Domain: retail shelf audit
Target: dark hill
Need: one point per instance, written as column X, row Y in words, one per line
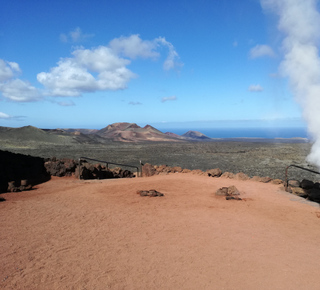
column 195, row 135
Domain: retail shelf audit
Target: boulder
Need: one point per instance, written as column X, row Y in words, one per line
column 276, row 181
column 167, row 170
column 306, row 184
column 60, row 167
column 314, row 194
column 214, row 172
column 160, row 168
column 197, row 171
column 176, row 169
column 294, row 183
column 223, row 191
column 148, row 170
column 256, row 178
column 232, row 190
column 298, row 191
column 228, row 191
column 227, row 175
column 317, row 185
column 265, row 179
column 242, row 176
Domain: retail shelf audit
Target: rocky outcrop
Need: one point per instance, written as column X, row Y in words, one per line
column 98, row 171
column 306, row 189
column 69, row 167
column 60, row 167
column 20, row 172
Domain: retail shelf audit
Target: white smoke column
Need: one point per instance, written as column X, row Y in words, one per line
column 299, row 20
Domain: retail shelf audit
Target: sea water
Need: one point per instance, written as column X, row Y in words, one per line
column 269, row 133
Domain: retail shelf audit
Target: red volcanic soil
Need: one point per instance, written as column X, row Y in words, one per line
column 76, row 234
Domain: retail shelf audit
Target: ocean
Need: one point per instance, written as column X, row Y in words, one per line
column 268, row 133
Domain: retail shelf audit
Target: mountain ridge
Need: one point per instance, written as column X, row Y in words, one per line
column 120, row 131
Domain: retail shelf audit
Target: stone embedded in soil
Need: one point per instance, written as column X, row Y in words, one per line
column 262, row 179
column 151, row 192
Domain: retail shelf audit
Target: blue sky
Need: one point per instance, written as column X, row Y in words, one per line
column 86, row 64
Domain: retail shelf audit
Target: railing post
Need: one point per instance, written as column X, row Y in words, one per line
column 140, row 168
column 79, row 168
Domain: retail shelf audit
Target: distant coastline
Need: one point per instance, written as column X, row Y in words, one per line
column 265, row 133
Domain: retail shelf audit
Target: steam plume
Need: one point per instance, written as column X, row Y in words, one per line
column 299, row 20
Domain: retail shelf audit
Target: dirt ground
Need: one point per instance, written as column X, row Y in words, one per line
column 100, row 234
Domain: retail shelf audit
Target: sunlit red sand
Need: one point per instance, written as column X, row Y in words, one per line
column 101, row 234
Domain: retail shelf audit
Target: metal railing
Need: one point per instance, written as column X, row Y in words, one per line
column 297, row 166
column 107, row 164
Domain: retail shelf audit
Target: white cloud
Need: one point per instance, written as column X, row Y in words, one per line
column 133, row 47
column 165, row 99
column 92, row 70
column 261, row 50
column 15, row 89
column 19, row 91
column 255, row 88
column 8, row 70
column 75, row 35
column 4, row 116
column 172, row 60
column 87, row 70
column 103, row 68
